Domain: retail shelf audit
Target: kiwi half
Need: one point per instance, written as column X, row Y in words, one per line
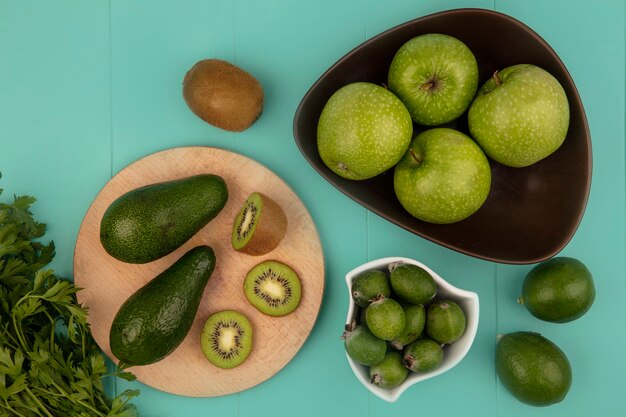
column 273, row 288
column 260, row 225
column 226, row 339
column 223, row 94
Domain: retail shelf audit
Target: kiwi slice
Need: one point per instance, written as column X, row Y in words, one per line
column 226, row 339
column 260, row 225
column 273, row 288
column 223, row 94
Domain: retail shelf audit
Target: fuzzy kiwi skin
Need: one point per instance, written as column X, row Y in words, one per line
column 223, row 94
column 270, row 230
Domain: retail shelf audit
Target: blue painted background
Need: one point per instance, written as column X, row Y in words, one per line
column 87, row 87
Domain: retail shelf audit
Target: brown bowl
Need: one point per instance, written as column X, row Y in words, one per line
column 531, row 213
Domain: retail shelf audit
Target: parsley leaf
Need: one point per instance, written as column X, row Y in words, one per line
column 49, row 363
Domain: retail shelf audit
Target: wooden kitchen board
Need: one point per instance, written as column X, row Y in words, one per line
column 107, row 283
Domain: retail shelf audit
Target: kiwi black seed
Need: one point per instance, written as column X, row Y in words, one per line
column 259, row 226
column 273, row 288
column 223, row 94
column 226, row 339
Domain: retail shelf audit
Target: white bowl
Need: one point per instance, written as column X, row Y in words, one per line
column 453, row 354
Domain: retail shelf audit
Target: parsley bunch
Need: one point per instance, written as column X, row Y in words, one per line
column 49, row 363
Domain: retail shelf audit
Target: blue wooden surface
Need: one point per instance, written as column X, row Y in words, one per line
column 87, row 87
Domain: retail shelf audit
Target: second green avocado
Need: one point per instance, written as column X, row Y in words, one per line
column 156, row 318
column 150, row 222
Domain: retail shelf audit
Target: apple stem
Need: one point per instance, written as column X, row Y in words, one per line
column 497, row 79
column 417, row 158
column 427, row 86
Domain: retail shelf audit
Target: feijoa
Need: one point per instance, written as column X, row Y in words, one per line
column 415, row 319
column 412, row 283
column 385, row 318
column 362, row 346
column 390, row 372
column 368, row 285
column 445, row 321
column 423, row 355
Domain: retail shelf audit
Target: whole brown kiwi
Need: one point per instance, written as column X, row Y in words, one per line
column 223, row 94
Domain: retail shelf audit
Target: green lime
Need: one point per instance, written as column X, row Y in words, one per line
column 423, row 355
column 412, row 283
column 532, row 368
column 368, row 285
column 445, row 321
column 385, row 318
column 362, row 345
column 390, row 372
column 415, row 319
column 558, row 290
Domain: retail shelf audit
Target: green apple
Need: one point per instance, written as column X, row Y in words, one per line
column 363, row 131
column 435, row 76
column 520, row 115
column 443, row 178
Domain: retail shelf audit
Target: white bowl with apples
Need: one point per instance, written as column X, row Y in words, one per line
column 453, row 353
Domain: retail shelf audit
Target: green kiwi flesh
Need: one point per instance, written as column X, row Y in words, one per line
column 259, row 226
column 246, row 222
column 226, row 339
column 273, row 288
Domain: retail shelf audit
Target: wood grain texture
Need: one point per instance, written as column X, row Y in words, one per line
column 107, row 282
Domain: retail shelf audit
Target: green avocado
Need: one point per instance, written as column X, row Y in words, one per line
column 150, row 222
column 532, row 368
column 154, row 320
